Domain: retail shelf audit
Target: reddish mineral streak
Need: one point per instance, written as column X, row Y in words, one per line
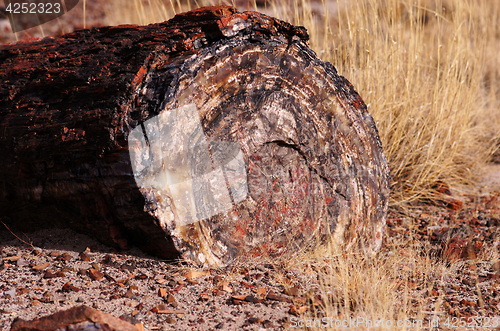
column 313, row 158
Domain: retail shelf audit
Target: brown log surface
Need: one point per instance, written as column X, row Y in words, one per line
column 76, row 318
column 312, row 156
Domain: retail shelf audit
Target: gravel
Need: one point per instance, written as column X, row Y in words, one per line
column 57, row 269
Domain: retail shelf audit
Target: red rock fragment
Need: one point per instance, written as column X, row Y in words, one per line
column 49, row 274
column 178, row 288
column 298, row 310
column 73, row 317
column 162, row 309
column 68, row 288
column 129, row 294
column 171, row 300
column 95, row 275
column 247, row 285
column 275, row 297
column 84, row 257
column 64, row 257
column 252, row 299
column 162, row 292
column 238, row 299
column 41, row 266
column 253, row 320
column 468, row 303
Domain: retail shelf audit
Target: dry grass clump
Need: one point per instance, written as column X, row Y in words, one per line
column 420, row 67
column 374, row 294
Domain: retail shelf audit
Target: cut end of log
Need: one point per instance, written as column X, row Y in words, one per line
column 260, row 149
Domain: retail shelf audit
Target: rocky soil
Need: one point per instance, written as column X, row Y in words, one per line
column 56, row 269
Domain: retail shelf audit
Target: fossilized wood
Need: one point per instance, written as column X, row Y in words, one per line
column 241, row 139
column 76, row 318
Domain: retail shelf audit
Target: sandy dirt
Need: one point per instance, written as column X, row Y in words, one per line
column 490, row 180
column 60, row 269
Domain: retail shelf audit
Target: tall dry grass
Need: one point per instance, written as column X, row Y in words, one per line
column 420, row 66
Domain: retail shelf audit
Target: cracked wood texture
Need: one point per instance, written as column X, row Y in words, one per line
column 211, row 136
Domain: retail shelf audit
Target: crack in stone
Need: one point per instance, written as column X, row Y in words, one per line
column 283, row 143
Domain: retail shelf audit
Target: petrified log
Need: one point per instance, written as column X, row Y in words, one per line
column 212, row 135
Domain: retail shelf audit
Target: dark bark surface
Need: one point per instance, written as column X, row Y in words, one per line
column 241, row 139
